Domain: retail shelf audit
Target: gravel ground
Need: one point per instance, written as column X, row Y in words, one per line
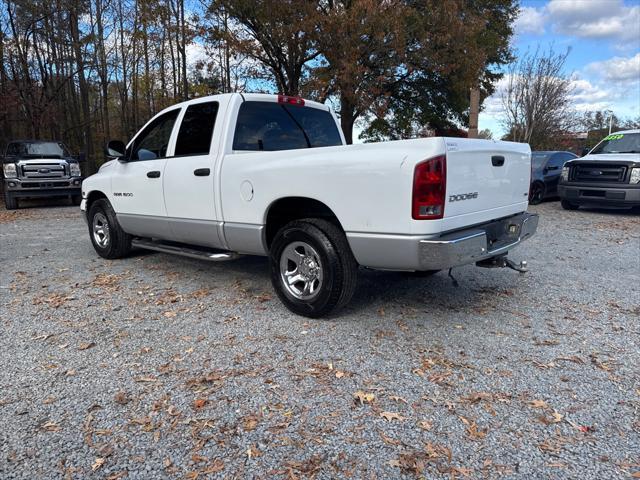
column 165, row 367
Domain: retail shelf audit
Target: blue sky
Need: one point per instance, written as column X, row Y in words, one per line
column 604, row 38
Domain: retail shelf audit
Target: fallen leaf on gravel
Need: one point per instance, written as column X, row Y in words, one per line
column 122, row 398
column 389, row 416
column 216, row 466
column 398, row 399
column 70, row 373
column 167, row 463
column 635, row 475
column 50, row 427
column 249, row 423
column 573, row 359
column 388, row 440
column 199, row 403
column 474, row 433
column 105, row 450
column 97, row 464
column 538, row 404
column 339, row 374
column 253, row 452
column 364, row 397
column 555, row 418
column 169, row 314
column 425, row 425
column 86, row 345
column 264, row 297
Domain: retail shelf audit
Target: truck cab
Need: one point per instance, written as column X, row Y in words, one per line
column 35, row 168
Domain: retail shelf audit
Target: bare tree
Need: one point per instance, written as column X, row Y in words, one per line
column 537, row 100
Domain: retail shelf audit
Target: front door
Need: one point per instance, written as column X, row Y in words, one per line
column 136, row 184
column 190, row 179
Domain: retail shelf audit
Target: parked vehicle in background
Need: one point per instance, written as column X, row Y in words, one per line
column 609, row 176
column 34, row 168
column 545, row 174
column 271, row 175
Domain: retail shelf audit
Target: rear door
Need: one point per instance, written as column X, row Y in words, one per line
column 136, row 183
column 485, row 180
column 189, row 180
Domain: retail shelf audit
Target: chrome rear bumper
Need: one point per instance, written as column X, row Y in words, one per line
column 472, row 245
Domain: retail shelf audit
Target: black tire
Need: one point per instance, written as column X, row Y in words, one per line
column 536, row 193
column 118, row 242
column 329, row 251
column 10, row 202
column 567, row 205
column 76, row 199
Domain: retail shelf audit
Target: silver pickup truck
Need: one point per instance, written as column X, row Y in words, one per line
column 40, row 169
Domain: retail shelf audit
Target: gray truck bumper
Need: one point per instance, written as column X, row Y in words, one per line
column 475, row 244
column 461, row 247
column 600, row 196
column 20, row 188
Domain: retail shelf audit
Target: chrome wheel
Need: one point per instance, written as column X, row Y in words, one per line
column 301, row 270
column 100, row 228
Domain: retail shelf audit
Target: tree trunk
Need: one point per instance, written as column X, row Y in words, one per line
column 84, row 90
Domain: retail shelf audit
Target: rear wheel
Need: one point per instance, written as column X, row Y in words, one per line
column 567, row 205
column 107, row 237
column 536, row 194
column 312, row 268
column 10, row 202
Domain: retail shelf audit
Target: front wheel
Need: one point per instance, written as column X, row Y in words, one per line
column 312, row 268
column 107, row 237
column 10, row 202
column 568, row 205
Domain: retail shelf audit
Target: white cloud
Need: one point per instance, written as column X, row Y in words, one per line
column 530, row 20
column 583, row 19
column 619, row 70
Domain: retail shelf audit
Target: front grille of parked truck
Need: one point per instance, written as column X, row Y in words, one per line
column 43, row 170
column 598, row 172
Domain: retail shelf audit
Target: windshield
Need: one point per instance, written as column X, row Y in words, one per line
column 538, row 160
column 619, row 143
column 37, row 149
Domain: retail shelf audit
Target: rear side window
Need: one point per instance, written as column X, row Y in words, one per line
column 196, row 129
column 272, row 126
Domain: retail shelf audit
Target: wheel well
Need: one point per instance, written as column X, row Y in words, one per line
column 93, row 196
column 288, row 209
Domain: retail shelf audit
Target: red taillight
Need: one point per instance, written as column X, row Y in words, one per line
column 291, row 100
column 429, row 189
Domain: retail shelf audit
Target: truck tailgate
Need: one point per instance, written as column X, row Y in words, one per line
column 486, row 179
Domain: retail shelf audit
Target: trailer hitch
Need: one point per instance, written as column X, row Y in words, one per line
column 503, row 262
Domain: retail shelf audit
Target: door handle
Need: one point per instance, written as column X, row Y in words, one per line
column 497, row 160
column 154, row 174
column 202, row 172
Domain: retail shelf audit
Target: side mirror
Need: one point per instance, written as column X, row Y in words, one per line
column 585, row 151
column 115, row 150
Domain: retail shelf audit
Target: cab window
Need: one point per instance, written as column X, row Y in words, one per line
column 196, row 129
column 273, row 126
column 153, row 141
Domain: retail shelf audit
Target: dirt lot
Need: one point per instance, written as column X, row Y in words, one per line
column 166, row 367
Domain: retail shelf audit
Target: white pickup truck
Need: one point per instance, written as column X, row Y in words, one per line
column 233, row 174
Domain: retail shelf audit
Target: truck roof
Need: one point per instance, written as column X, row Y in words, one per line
column 250, row 97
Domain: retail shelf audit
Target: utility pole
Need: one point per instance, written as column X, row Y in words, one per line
column 474, row 110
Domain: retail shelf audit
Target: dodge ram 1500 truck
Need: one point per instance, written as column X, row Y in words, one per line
column 233, row 174
column 608, row 176
column 33, row 168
